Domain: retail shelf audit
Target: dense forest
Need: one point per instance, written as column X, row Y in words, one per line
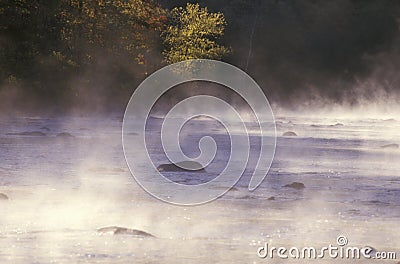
column 64, row 53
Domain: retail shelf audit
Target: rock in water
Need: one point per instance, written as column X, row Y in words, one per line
column 368, row 250
column 337, row 125
column 33, row 133
column 195, row 167
column 289, row 134
column 116, row 230
column 3, row 196
column 296, row 185
column 390, row 146
column 390, row 120
column 272, row 198
column 64, row 135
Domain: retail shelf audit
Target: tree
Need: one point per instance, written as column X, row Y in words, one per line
column 192, row 34
column 120, row 28
column 27, row 28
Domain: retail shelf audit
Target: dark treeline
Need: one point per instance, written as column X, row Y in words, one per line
column 62, row 52
column 305, row 52
column 65, row 53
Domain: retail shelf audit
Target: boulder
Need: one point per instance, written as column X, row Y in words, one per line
column 170, row 167
column 390, row 146
column 29, row 133
column 64, row 135
column 337, row 125
column 371, row 251
column 116, row 230
column 296, row 185
column 289, row 134
column 3, row 196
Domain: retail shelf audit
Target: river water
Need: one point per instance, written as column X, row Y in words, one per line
column 62, row 189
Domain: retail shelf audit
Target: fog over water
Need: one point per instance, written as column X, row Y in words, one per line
column 62, row 189
column 330, row 73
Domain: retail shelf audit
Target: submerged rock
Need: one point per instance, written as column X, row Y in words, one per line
column 27, row 133
column 224, row 188
column 3, row 196
column 289, row 134
column 390, row 120
column 370, row 251
column 390, row 146
column 116, row 230
column 64, row 135
column 296, row 185
column 170, row 167
column 107, row 169
column 337, row 125
column 248, row 197
column 272, row 198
